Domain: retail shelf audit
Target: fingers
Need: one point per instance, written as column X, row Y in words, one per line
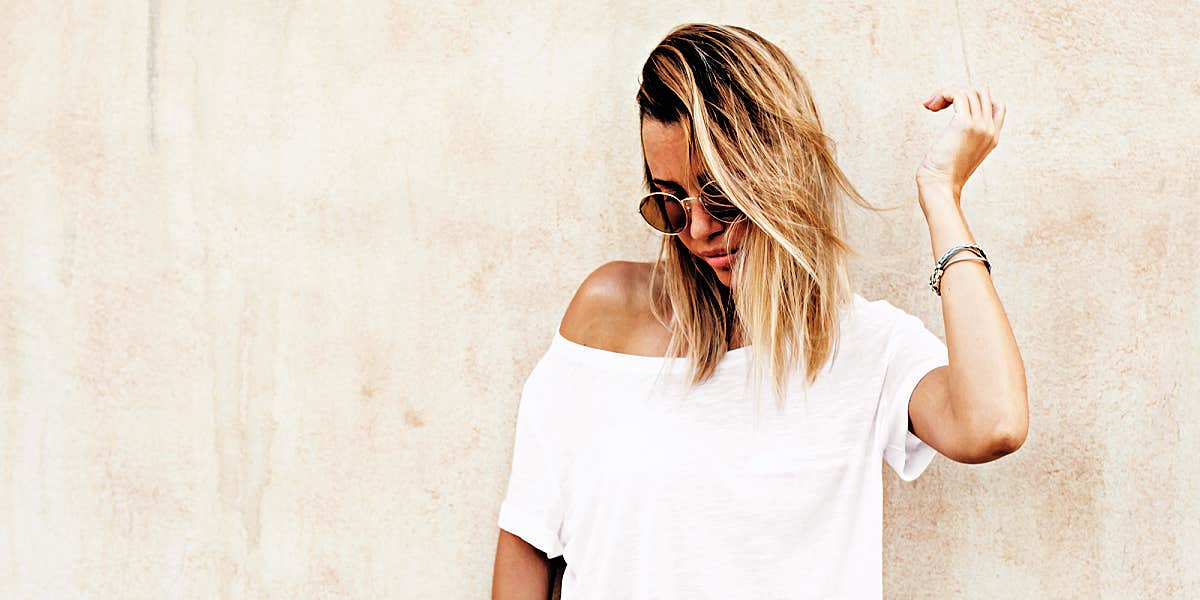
column 972, row 103
column 956, row 97
column 1000, row 111
column 961, row 105
column 939, row 100
column 994, row 114
column 974, row 109
column 987, row 110
column 929, row 102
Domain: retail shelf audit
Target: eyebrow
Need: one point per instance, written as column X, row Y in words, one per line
column 668, row 184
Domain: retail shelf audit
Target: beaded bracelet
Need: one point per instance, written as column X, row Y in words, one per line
column 935, row 279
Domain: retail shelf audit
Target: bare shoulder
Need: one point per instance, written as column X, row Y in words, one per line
column 611, row 304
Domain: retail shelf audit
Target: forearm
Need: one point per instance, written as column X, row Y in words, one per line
column 520, row 572
column 987, row 376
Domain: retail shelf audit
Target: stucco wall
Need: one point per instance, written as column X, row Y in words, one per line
column 272, row 275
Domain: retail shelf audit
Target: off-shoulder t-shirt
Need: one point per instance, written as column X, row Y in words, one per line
column 650, row 492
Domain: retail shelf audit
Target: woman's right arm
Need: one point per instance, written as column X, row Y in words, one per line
column 521, row 572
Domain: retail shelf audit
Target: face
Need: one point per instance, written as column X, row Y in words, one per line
column 666, row 152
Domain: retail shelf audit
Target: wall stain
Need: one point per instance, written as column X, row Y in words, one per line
column 244, row 424
column 413, row 419
column 962, row 40
column 153, row 9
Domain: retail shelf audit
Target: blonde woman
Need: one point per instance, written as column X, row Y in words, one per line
column 642, row 455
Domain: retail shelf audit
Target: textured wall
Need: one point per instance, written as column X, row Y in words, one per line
column 272, row 275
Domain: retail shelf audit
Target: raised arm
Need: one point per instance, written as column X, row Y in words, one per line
column 975, row 410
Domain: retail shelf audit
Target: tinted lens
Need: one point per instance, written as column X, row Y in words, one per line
column 663, row 212
column 718, row 205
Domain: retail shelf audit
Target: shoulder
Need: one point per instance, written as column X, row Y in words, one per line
column 613, row 282
column 888, row 324
column 874, row 312
column 610, row 301
column 873, row 320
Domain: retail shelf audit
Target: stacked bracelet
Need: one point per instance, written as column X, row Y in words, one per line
column 935, row 279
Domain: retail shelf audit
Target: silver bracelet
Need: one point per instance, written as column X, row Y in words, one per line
column 935, row 279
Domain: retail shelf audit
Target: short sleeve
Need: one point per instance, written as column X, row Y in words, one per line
column 532, row 508
column 913, row 351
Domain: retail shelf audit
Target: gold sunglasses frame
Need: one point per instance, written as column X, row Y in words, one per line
column 687, row 210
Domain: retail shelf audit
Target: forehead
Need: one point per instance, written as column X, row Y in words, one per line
column 665, row 146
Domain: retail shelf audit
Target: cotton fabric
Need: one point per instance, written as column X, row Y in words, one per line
column 649, row 491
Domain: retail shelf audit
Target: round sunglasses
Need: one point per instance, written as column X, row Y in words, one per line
column 668, row 214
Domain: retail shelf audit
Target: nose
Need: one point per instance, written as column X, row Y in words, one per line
column 702, row 225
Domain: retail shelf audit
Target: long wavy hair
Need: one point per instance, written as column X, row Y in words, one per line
column 751, row 125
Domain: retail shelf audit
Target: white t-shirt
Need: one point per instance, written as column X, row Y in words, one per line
column 650, row 494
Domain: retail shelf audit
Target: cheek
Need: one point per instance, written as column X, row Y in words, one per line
column 737, row 235
column 684, row 240
column 734, row 235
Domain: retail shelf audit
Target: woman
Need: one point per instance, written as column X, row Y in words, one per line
column 658, row 477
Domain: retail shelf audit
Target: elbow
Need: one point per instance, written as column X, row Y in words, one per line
column 1006, row 441
column 996, row 438
column 989, row 447
column 1004, row 437
column 1011, row 434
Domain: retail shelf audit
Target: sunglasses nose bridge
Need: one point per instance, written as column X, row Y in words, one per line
column 706, row 223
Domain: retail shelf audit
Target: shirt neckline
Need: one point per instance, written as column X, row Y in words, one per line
column 602, row 357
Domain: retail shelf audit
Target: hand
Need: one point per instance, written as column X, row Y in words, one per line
column 962, row 146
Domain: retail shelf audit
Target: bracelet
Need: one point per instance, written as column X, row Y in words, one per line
column 935, row 279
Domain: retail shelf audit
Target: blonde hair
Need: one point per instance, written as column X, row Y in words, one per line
column 751, row 123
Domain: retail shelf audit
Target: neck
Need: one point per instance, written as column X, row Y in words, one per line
column 737, row 337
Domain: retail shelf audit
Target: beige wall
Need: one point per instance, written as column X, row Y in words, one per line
column 272, row 275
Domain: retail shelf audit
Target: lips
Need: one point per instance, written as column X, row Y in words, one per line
column 720, row 262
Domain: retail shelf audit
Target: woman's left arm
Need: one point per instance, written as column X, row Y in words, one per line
column 974, row 410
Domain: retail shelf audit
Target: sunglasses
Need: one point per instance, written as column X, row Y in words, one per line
column 668, row 214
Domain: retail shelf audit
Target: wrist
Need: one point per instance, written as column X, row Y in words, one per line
column 938, row 195
column 938, row 186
